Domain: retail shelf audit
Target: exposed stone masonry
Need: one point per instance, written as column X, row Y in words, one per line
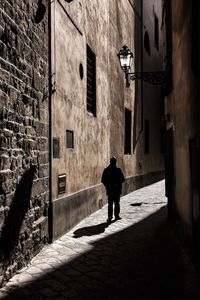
column 24, row 144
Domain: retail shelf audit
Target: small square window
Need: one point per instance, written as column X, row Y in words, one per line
column 56, row 147
column 69, row 139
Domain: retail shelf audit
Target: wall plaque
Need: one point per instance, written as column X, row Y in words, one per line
column 61, row 183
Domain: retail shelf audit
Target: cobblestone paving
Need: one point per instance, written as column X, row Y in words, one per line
column 136, row 257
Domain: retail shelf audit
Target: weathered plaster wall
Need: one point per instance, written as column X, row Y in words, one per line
column 24, row 144
column 130, row 32
column 121, row 32
column 82, row 165
column 105, row 26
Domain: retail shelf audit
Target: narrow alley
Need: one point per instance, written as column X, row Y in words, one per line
column 137, row 257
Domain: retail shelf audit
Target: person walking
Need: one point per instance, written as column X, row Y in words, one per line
column 112, row 178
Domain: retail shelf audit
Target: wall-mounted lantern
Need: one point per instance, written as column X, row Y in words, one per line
column 125, row 57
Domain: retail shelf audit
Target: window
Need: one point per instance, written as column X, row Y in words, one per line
column 56, row 147
column 91, row 81
column 147, row 43
column 127, row 131
column 156, row 34
column 146, row 136
column 69, row 139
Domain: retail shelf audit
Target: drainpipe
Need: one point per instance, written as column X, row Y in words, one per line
column 51, row 26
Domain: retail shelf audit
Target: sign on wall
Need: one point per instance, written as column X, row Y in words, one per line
column 61, row 183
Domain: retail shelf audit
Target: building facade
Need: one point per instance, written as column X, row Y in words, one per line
column 65, row 110
column 94, row 114
column 181, row 31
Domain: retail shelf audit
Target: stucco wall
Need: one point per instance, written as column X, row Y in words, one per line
column 84, row 163
column 105, row 26
column 143, row 99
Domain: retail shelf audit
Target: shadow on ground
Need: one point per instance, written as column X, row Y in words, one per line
column 90, row 230
column 142, row 262
column 136, row 204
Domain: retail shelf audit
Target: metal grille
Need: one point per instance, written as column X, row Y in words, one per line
column 91, row 81
column 69, row 139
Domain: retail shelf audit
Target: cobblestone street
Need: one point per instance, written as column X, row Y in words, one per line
column 136, row 257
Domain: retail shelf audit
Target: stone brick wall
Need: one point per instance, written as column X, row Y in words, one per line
column 24, row 144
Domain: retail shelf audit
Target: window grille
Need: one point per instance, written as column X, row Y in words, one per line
column 69, row 139
column 91, row 81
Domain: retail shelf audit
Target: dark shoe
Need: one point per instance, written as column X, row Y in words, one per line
column 109, row 221
column 118, row 218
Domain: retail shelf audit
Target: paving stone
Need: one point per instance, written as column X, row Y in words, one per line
column 137, row 254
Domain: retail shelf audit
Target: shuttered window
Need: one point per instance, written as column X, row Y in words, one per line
column 91, row 81
column 127, row 131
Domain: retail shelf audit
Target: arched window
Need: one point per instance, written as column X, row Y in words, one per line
column 147, row 43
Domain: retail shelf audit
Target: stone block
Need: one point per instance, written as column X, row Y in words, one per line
column 29, row 145
column 2, row 200
column 5, row 162
column 44, row 226
column 42, row 129
column 3, row 141
column 8, row 200
column 4, row 100
column 43, row 157
column 36, row 236
column 38, row 81
column 43, row 144
column 4, row 75
column 5, row 186
column 2, row 215
column 38, row 187
column 30, row 131
column 43, row 171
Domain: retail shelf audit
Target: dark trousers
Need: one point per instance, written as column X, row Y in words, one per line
column 113, row 199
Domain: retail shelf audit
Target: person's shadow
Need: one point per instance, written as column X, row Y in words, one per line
column 90, row 230
column 136, row 204
column 18, row 209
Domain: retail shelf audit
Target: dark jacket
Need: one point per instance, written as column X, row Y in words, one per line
column 112, row 178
